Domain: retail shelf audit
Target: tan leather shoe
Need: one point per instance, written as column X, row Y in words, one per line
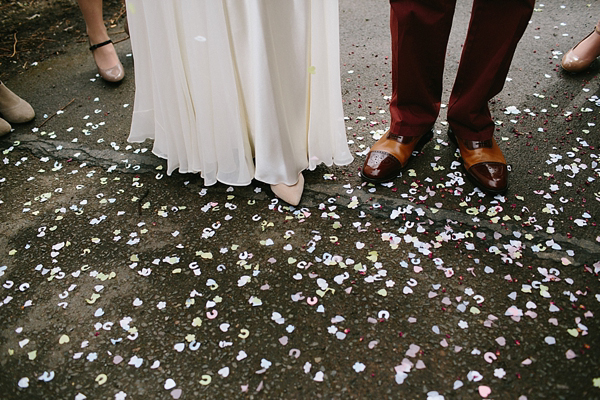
column 290, row 194
column 484, row 163
column 4, row 127
column 583, row 54
column 13, row 108
column 390, row 155
column 113, row 74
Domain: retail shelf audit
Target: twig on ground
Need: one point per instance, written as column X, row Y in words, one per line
column 53, row 115
column 14, row 46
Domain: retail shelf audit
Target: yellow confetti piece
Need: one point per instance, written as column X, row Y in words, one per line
column 256, row 301
column 373, row 256
column 101, row 379
column 95, row 240
column 382, row 292
column 359, row 267
column 93, row 299
column 206, row 379
column 134, row 258
column 190, row 338
column 12, row 252
column 32, row 354
column 64, row 339
column 353, row 204
column 573, row 332
column 205, row 255
column 596, row 382
column 11, row 352
column 197, row 322
column 244, row 333
column 176, row 271
column 474, row 310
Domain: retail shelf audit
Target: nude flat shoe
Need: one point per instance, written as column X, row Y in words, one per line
column 290, row 194
column 113, row 74
column 574, row 63
column 13, row 108
column 4, row 127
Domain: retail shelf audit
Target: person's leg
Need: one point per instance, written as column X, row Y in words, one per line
column 420, row 31
column 105, row 56
column 494, row 31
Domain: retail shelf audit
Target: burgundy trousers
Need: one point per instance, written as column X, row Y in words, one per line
column 420, row 30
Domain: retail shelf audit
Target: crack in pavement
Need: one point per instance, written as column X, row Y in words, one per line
column 113, row 160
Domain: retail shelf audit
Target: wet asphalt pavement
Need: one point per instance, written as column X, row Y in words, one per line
column 119, row 281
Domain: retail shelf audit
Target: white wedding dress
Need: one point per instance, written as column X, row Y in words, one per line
column 239, row 89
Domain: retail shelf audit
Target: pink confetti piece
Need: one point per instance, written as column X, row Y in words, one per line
column 484, row 391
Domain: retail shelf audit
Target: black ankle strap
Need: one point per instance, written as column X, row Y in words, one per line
column 95, row 46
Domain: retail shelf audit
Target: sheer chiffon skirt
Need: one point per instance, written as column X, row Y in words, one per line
column 239, row 90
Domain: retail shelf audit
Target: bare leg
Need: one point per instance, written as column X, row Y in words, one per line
column 105, row 56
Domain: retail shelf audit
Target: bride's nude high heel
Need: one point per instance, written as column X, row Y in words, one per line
column 573, row 62
column 115, row 73
column 290, row 194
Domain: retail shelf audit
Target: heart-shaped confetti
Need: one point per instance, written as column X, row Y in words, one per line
column 170, row 384
column 484, row 391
